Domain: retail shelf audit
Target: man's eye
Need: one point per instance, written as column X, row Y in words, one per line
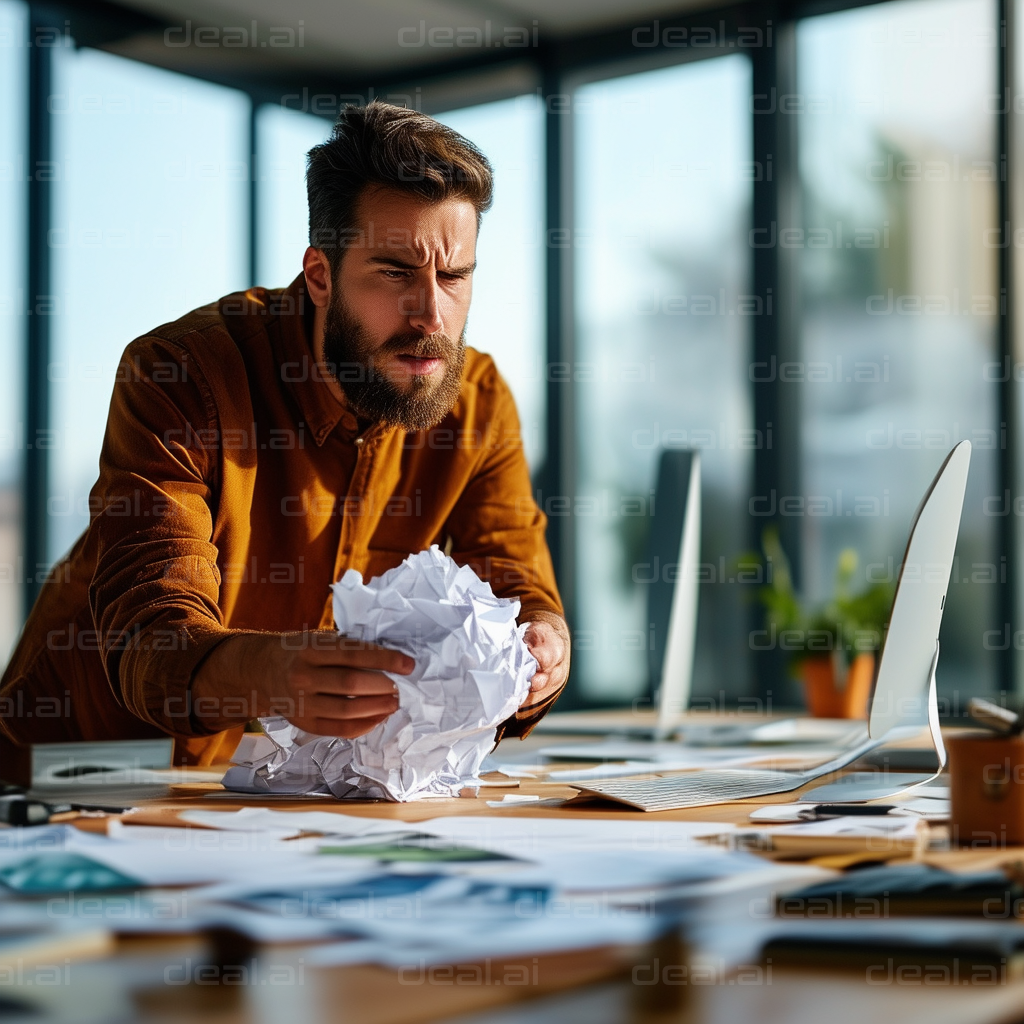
column 396, row 275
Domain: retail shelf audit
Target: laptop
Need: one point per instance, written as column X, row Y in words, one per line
column 904, row 699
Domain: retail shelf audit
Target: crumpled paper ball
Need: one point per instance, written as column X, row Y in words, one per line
column 473, row 671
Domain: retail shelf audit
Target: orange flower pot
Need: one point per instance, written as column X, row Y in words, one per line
column 828, row 696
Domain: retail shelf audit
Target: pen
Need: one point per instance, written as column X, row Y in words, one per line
column 820, row 811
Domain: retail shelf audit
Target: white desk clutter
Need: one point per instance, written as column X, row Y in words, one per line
column 472, row 672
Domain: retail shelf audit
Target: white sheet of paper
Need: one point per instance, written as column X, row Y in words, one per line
column 888, row 826
column 928, row 808
column 198, row 858
column 513, row 799
column 527, row 837
column 930, row 792
column 779, row 812
column 263, row 819
column 474, row 950
column 181, row 840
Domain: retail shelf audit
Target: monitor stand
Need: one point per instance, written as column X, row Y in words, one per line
column 859, row 787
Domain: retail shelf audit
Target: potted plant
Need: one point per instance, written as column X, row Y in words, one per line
column 832, row 647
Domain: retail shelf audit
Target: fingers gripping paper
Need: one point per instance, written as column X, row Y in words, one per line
column 473, row 670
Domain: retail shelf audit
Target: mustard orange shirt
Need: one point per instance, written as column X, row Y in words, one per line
column 233, row 490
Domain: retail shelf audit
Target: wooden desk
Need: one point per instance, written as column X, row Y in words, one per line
column 594, row 985
column 737, row 812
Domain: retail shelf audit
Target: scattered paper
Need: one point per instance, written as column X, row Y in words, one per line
column 513, row 798
column 928, row 808
column 473, row 670
column 262, row 819
column 442, row 891
column 940, row 792
column 922, row 807
column 465, row 935
column 551, row 801
column 784, row 813
column 530, row 837
column 201, row 840
column 886, row 825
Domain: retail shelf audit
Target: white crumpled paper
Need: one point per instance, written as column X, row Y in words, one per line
column 473, row 671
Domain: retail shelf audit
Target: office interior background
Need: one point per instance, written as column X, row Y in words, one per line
column 788, row 235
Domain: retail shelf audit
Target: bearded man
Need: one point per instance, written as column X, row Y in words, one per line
column 259, row 447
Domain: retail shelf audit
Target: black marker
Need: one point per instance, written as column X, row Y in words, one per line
column 819, row 811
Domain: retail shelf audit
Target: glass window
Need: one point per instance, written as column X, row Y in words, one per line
column 283, row 138
column 150, row 221
column 507, row 315
column 663, row 200
column 900, row 296
column 13, row 107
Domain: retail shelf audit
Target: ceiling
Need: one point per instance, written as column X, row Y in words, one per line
column 360, row 40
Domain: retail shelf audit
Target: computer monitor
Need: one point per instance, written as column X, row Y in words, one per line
column 906, row 668
column 672, row 596
column 904, row 698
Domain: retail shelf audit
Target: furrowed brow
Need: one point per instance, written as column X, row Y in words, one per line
column 460, row 271
column 394, row 261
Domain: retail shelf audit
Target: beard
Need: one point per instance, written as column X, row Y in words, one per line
column 355, row 363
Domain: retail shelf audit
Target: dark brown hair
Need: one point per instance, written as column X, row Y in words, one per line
column 394, row 148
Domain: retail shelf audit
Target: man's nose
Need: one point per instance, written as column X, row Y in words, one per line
column 424, row 310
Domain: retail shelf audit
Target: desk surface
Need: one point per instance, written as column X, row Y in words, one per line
column 591, row 985
column 737, row 812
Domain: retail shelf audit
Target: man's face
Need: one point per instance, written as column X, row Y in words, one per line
column 394, row 324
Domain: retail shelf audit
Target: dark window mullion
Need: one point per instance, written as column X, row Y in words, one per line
column 776, row 334
column 558, row 478
column 38, row 303
column 254, row 196
column 1008, row 540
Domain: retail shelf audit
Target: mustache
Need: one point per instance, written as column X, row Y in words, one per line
column 432, row 346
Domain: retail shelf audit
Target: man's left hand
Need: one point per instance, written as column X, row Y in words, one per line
column 547, row 637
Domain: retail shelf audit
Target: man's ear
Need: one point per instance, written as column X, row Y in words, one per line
column 319, row 279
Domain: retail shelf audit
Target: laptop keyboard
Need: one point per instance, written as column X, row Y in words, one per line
column 695, row 789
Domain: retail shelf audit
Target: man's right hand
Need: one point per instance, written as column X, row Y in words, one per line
column 320, row 681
